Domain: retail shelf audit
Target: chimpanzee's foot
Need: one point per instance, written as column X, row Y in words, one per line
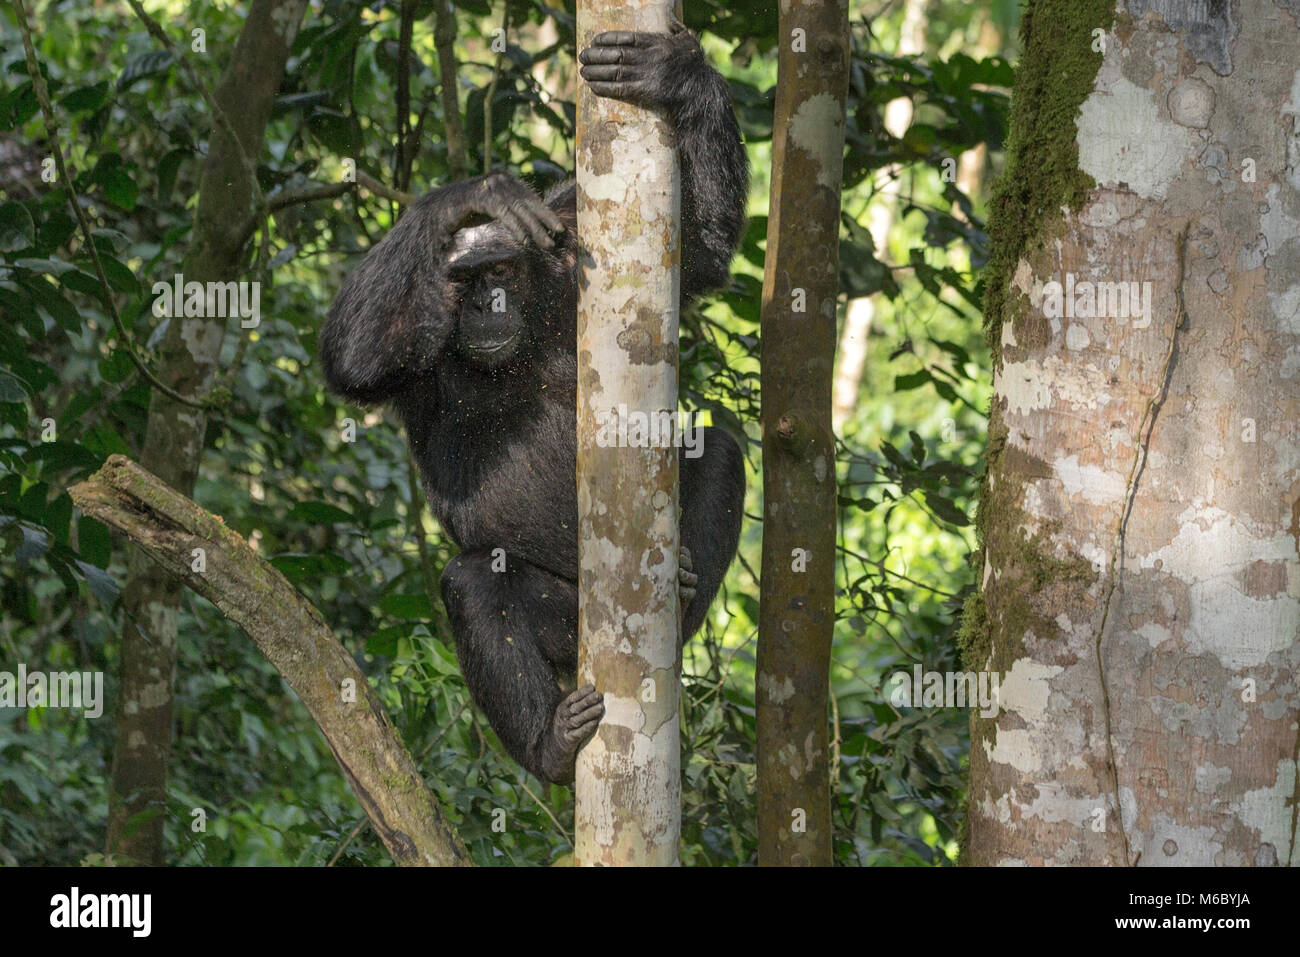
column 686, row 578
column 575, row 721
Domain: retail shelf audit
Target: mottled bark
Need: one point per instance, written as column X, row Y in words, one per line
column 168, row 528
column 173, row 442
column 1141, row 520
column 800, row 288
column 628, row 786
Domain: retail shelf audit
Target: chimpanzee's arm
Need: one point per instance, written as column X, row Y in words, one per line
column 394, row 315
column 669, row 72
column 715, row 173
column 713, row 504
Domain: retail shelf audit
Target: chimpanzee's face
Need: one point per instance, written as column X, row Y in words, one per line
column 490, row 329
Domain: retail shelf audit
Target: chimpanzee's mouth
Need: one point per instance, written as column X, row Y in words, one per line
column 488, row 348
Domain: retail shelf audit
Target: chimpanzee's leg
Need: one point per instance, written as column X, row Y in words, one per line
column 515, row 631
column 713, row 503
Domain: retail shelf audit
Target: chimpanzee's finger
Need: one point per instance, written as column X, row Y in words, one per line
column 549, row 217
column 594, row 713
column 609, row 73
column 610, row 55
column 622, row 38
column 528, row 224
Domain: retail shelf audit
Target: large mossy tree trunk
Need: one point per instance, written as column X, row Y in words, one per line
column 800, row 290
column 628, row 779
column 173, row 444
column 1141, row 518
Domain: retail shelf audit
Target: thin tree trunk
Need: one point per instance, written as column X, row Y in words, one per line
column 444, row 40
column 179, row 537
column 628, row 787
column 800, row 288
column 173, row 442
column 1141, row 519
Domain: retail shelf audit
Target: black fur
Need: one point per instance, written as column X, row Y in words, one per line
column 464, row 317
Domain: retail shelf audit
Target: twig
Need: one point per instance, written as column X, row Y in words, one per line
column 319, row 191
column 348, row 840
column 451, row 723
column 558, row 826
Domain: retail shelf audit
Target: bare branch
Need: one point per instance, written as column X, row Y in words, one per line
column 182, row 537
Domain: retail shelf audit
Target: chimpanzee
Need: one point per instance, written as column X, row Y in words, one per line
column 464, row 317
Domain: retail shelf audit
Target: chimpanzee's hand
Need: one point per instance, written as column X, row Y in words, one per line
column 641, row 68
column 501, row 197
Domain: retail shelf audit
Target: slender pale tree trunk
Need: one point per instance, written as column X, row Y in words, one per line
column 800, row 288
column 173, row 442
column 628, row 786
column 1141, row 520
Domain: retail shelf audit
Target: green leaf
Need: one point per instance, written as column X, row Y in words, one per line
column 120, row 188
column 407, row 606
column 51, row 299
column 83, row 282
column 384, row 641
column 118, row 275
column 17, row 231
column 321, row 513
column 298, row 565
column 946, row 509
column 46, row 267
column 87, row 98
column 104, row 441
column 55, row 230
column 145, row 65
column 58, row 517
column 168, row 166
column 911, row 380
column 94, row 541
column 11, row 388
column 116, row 366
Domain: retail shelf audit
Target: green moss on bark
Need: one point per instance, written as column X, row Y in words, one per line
column 973, row 641
column 1057, row 69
